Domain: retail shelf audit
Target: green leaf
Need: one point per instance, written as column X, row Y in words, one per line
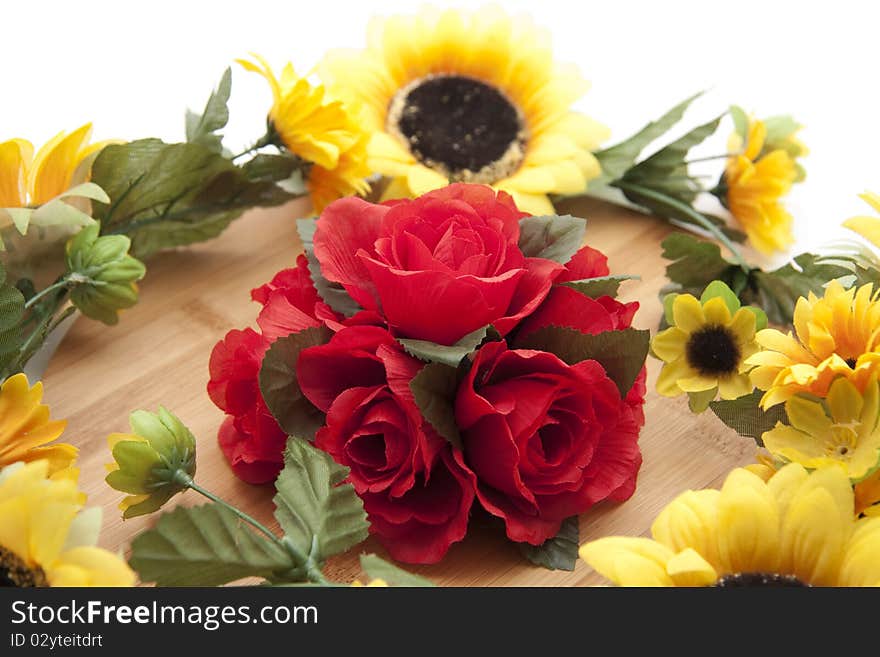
column 377, row 568
column 666, row 171
column 720, row 289
column 557, row 553
column 746, row 417
column 622, row 353
column 740, row 121
column 447, row 354
column 696, row 263
column 333, row 294
column 434, row 389
column 280, row 388
column 202, row 128
column 313, row 506
column 167, row 195
column 204, row 546
column 554, row 237
column 617, row 159
column 11, row 313
column 600, row 286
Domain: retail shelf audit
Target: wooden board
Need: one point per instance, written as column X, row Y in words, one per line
column 158, row 354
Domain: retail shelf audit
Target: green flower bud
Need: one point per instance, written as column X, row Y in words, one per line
column 153, row 463
column 102, row 274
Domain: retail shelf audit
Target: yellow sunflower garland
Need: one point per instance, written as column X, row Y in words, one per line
column 469, row 97
column 46, row 539
column 835, row 335
column 325, row 132
column 26, row 430
column 706, row 346
column 795, row 529
column 754, row 181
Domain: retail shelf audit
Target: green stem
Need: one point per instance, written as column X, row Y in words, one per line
column 711, row 157
column 63, row 282
column 689, row 212
column 309, row 563
column 265, row 140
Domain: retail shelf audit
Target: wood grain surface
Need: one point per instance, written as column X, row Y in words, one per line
column 158, row 354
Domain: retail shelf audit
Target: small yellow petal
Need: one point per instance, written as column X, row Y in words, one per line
column 629, row 561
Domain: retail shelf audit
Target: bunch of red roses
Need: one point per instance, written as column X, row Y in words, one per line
column 444, row 349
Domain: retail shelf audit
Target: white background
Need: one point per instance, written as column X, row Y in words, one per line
column 132, row 69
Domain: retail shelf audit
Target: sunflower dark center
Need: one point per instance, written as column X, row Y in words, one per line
column 713, row 351
column 463, row 128
column 741, row 580
column 15, row 572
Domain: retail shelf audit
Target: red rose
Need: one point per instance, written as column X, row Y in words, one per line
column 249, row 437
column 291, row 303
column 439, row 266
column 416, row 496
column 545, row 440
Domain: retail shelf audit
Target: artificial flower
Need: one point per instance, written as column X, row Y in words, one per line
column 469, row 97
column 26, row 430
column 835, row 335
column 46, row 539
column 452, row 253
column 102, row 273
column 845, row 429
column 754, row 181
column 153, row 463
column 706, row 347
column 546, row 440
column 250, row 437
column 867, row 227
column 417, row 496
column 318, row 128
column 30, row 180
column 796, row 529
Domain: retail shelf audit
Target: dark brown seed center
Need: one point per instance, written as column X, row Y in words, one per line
column 16, row 573
column 741, row 580
column 459, row 126
column 713, row 351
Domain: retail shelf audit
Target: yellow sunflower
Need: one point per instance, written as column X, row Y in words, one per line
column 30, row 180
column 319, row 128
column 753, row 185
column 796, row 529
column 836, row 335
column 46, row 539
column 706, row 346
column 867, row 227
column 845, row 429
column 469, row 97
column 25, row 427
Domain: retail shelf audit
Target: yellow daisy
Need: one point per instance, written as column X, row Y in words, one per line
column 30, row 180
column 706, row 346
column 843, row 430
column 836, row 335
column 320, row 129
column 753, row 185
column 867, row 227
column 796, row 529
column 25, row 427
column 46, row 539
column 469, row 97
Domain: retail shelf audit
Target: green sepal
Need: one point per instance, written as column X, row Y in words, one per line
column 559, row 552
